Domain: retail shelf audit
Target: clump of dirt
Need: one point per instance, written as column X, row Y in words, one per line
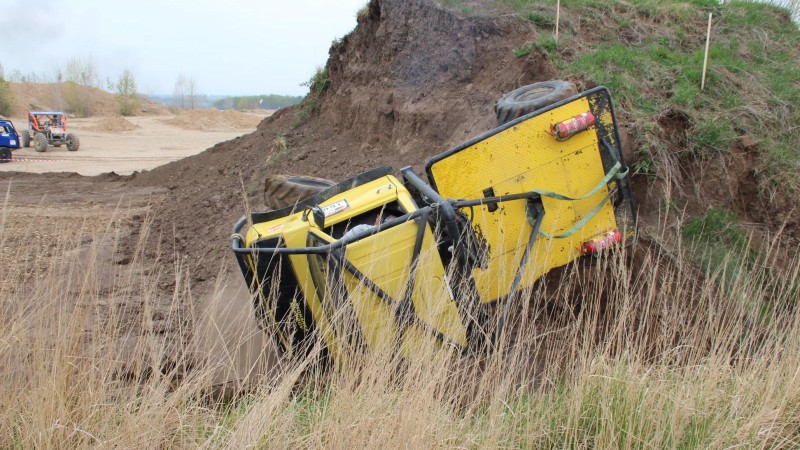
column 214, row 119
column 52, row 97
column 113, row 124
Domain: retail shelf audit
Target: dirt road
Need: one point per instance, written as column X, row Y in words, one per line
column 39, row 208
column 153, row 142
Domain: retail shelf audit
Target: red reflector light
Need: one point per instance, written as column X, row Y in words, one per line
column 568, row 128
column 606, row 241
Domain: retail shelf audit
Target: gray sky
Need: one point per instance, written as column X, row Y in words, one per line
column 230, row 47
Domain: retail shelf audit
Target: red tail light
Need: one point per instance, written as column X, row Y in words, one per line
column 568, row 128
column 606, row 241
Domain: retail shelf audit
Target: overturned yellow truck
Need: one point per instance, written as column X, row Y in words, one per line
column 385, row 263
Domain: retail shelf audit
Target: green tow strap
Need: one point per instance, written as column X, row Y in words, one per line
column 613, row 173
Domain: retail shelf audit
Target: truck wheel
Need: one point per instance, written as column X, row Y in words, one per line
column 5, row 154
column 25, row 138
column 39, row 142
column 281, row 191
column 73, row 143
column 532, row 97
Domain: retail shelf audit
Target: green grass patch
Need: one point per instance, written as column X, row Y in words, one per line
column 521, row 5
column 719, row 243
column 716, row 226
column 545, row 44
column 645, row 166
column 650, row 55
column 5, row 96
column 317, row 84
column 711, row 136
column 541, row 20
column 523, row 51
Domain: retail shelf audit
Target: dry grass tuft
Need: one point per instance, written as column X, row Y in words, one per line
column 635, row 349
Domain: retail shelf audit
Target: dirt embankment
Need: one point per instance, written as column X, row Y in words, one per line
column 53, row 97
column 212, row 119
column 113, row 124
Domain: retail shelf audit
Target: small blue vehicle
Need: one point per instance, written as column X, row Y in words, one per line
column 9, row 140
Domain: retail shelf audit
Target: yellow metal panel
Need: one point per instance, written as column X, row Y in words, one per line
column 362, row 199
column 294, row 233
column 386, row 259
column 374, row 316
column 433, row 297
column 521, row 158
column 271, row 229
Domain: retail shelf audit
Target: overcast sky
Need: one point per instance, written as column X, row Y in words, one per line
column 230, row 47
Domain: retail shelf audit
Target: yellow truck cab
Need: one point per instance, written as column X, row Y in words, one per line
column 382, row 264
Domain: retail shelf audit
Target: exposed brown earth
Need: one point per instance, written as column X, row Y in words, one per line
column 52, row 97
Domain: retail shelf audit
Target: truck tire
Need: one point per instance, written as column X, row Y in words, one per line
column 532, row 97
column 281, row 191
column 73, row 142
column 39, row 142
column 25, row 138
column 5, row 154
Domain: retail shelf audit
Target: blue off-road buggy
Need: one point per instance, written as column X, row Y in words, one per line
column 9, row 140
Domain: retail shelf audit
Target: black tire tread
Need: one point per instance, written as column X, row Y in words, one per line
column 533, row 97
column 40, row 142
column 73, row 142
column 281, row 191
column 25, row 138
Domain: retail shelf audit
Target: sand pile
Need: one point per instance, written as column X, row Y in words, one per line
column 214, row 119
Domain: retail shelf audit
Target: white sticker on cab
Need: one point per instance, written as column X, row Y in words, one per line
column 335, row 208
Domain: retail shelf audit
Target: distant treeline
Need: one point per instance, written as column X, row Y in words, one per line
column 257, row 102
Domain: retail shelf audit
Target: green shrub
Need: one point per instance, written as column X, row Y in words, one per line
column 126, row 95
column 717, row 225
column 317, row 84
column 711, row 135
column 523, row 51
column 541, row 20
column 5, row 94
column 76, row 99
column 5, row 98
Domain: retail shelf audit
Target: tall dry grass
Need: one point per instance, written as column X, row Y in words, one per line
column 631, row 350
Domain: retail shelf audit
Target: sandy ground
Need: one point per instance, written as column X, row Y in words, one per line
column 84, row 208
column 154, row 143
